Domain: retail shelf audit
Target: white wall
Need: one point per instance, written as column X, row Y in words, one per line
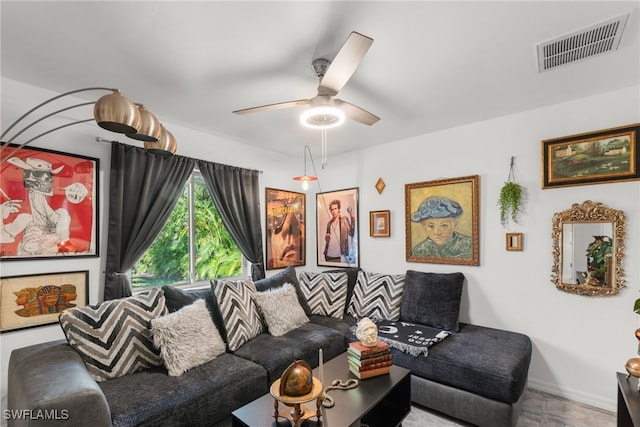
column 578, row 342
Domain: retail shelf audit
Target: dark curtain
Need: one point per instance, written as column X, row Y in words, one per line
column 144, row 189
column 235, row 191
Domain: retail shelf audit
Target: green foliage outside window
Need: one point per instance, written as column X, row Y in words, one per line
column 167, row 260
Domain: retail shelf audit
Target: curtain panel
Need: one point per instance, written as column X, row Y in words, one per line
column 144, row 189
column 235, row 191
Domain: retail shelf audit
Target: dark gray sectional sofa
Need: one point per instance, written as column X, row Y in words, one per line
column 477, row 374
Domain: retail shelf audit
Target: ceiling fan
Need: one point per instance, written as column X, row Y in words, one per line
column 324, row 109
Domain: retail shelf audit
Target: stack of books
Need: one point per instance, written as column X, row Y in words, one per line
column 367, row 362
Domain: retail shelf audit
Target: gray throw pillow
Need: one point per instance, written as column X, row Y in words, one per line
column 114, row 338
column 236, row 301
column 432, row 299
column 326, row 293
column 187, row 338
column 377, row 296
column 281, row 310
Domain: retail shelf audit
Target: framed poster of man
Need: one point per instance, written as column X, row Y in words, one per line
column 337, row 228
column 285, row 224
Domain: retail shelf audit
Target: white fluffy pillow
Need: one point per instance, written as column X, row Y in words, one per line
column 281, row 309
column 187, row 338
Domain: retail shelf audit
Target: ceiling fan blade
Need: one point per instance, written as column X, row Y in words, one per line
column 276, row 106
column 356, row 113
column 344, row 64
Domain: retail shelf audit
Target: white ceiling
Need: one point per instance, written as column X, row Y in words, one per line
column 433, row 65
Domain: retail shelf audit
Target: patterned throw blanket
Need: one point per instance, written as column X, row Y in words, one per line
column 410, row 338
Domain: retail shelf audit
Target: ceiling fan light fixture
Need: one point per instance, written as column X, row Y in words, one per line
column 323, row 117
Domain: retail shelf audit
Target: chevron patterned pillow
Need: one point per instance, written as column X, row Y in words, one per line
column 326, row 293
column 236, row 300
column 377, row 296
column 114, row 337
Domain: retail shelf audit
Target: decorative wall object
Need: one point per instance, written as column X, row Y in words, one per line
column 510, row 200
column 588, row 249
column 442, row 221
column 337, row 228
column 285, row 228
column 36, row 300
column 602, row 156
column 49, row 204
column 380, row 185
column 514, row 241
column 379, row 223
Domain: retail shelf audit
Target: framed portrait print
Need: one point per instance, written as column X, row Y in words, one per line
column 35, row 300
column 603, row 156
column 337, row 228
column 379, row 225
column 442, row 221
column 285, row 228
column 49, row 204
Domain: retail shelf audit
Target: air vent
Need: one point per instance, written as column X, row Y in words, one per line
column 580, row 44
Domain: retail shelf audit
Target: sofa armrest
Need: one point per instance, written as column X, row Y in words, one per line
column 49, row 385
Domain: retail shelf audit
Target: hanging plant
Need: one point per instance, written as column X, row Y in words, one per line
column 510, row 198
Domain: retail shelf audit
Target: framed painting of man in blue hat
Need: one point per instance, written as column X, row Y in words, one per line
column 442, row 221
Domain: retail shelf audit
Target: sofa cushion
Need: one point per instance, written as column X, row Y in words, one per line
column 236, row 301
column 281, row 310
column 114, row 337
column 288, row 275
column 432, row 299
column 492, row 363
column 326, row 293
column 176, row 298
column 275, row 354
column 377, row 296
column 202, row 396
column 187, row 338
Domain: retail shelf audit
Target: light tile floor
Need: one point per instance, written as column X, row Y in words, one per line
column 538, row 410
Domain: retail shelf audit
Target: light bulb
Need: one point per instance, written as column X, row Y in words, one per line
column 305, row 184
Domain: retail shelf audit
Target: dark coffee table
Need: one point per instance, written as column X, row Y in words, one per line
column 382, row 401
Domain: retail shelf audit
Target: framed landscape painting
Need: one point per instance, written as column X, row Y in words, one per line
column 442, row 221
column 286, row 228
column 37, row 299
column 337, row 228
column 598, row 157
column 49, row 204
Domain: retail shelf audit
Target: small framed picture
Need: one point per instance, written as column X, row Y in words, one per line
column 609, row 155
column 379, row 225
column 37, row 299
column 514, row 241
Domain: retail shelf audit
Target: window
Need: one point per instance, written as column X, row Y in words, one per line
column 193, row 245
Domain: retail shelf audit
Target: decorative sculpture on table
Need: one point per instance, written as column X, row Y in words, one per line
column 296, row 386
column 367, row 332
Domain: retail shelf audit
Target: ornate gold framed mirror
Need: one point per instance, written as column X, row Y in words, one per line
column 588, row 249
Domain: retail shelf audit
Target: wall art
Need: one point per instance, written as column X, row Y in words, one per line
column 514, row 241
column 442, row 221
column 49, row 204
column 337, row 228
column 36, row 300
column 379, row 224
column 285, row 228
column 609, row 155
